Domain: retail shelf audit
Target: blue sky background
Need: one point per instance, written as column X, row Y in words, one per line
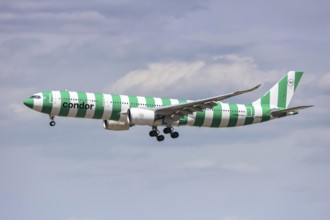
column 181, row 49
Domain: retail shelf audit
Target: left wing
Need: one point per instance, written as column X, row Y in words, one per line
column 180, row 110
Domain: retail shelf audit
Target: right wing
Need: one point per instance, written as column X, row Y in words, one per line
column 180, row 110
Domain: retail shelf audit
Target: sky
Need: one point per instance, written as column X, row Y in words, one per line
column 177, row 49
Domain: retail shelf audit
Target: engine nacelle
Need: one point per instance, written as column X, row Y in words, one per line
column 141, row 116
column 115, row 125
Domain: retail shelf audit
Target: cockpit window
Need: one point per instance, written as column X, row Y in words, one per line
column 36, row 97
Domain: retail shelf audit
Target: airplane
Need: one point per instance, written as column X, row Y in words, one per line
column 120, row 112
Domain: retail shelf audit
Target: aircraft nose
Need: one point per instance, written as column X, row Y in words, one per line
column 28, row 102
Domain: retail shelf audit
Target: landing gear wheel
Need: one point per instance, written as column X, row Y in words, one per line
column 153, row 133
column 174, row 135
column 160, row 137
column 52, row 123
column 167, row 130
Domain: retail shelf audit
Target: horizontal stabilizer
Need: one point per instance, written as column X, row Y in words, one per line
column 289, row 111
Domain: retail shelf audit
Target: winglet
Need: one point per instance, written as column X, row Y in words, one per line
column 242, row 92
column 254, row 88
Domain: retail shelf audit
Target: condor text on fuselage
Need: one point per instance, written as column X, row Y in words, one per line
column 77, row 105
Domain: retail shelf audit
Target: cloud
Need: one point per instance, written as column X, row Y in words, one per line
column 321, row 81
column 201, row 164
column 324, row 82
column 13, row 107
column 241, row 167
column 77, row 218
column 158, row 76
column 213, row 165
column 40, row 16
column 320, row 134
column 221, row 74
column 233, row 217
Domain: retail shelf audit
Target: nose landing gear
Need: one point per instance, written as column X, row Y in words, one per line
column 52, row 123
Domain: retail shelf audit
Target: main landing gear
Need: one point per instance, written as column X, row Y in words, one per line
column 52, row 123
column 155, row 133
column 168, row 130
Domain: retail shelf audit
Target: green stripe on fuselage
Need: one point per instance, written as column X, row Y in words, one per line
column 249, row 114
column 47, row 104
column 184, row 119
column 65, row 97
column 166, row 101
column 82, row 98
column 200, row 117
column 133, row 101
column 265, row 113
column 150, row 102
column 265, row 103
column 116, row 107
column 217, row 114
column 233, row 117
column 99, row 108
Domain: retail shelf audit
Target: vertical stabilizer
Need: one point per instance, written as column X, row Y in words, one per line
column 280, row 95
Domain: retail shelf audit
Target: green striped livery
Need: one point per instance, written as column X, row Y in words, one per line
column 120, row 112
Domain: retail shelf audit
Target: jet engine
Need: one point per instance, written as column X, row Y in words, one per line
column 141, row 116
column 115, row 125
